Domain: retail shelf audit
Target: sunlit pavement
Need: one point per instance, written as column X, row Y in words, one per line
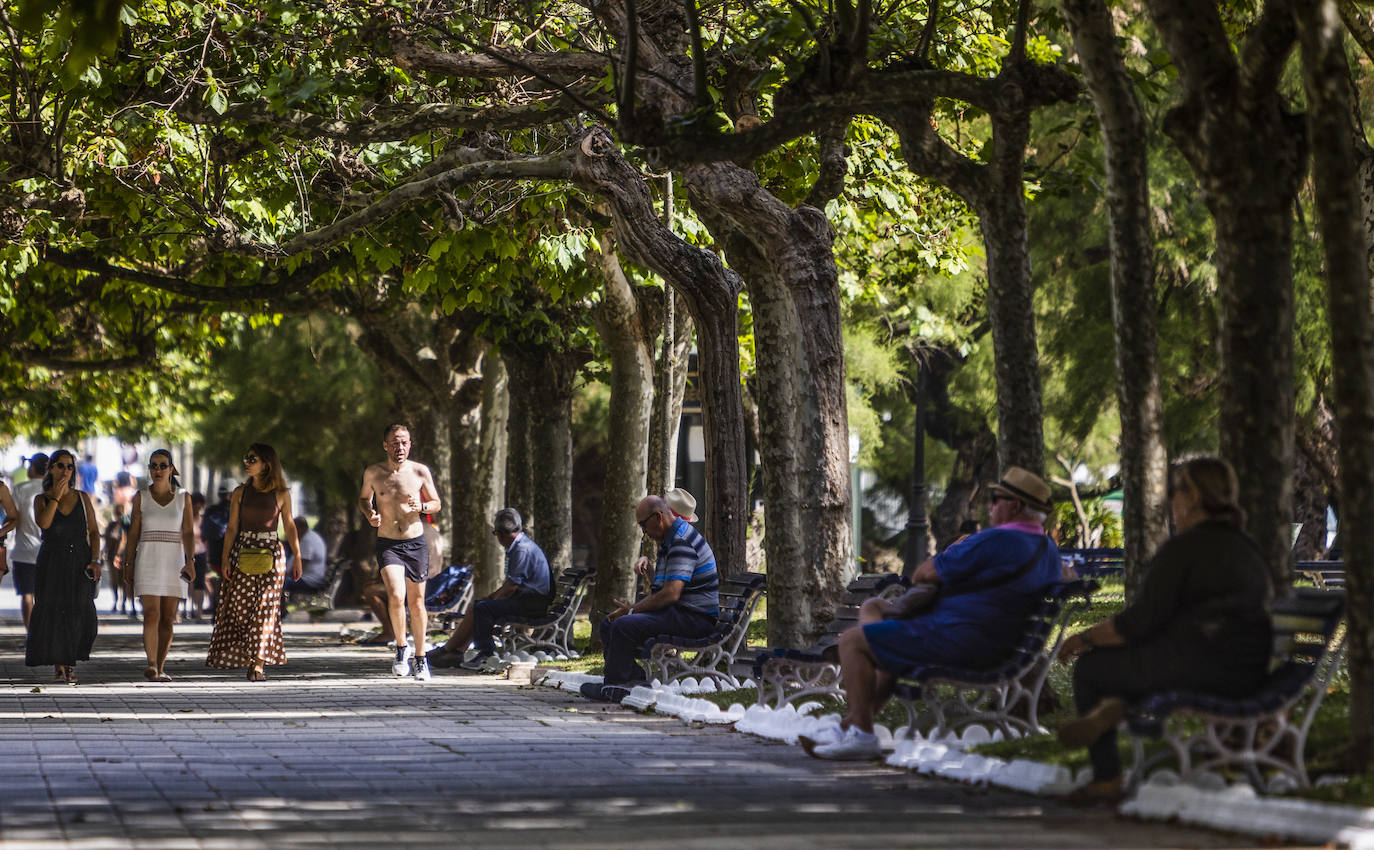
column 334, row 750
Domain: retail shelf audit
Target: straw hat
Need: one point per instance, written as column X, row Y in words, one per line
column 1027, row 486
column 684, row 504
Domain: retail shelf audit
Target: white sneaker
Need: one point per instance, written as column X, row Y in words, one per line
column 853, row 745
column 828, row 733
column 421, row 669
column 403, row 655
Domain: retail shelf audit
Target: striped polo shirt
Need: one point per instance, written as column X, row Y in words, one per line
column 685, row 556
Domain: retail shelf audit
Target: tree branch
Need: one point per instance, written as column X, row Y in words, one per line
column 533, row 168
column 273, row 282
column 410, row 121
column 496, row 63
column 833, row 166
column 1263, row 55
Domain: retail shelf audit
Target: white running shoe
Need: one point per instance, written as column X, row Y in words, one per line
column 828, row 733
column 403, row 655
column 853, row 745
column 421, row 669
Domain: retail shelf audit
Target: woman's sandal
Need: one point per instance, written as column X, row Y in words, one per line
column 256, row 675
column 69, row 676
column 163, row 677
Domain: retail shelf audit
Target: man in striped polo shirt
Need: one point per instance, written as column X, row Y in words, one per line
column 682, row 601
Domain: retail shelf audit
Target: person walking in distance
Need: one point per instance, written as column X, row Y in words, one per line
column 198, row 584
column 394, row 495
column 63, row 627
column 161, row 558
column 27, row 536
column 247, row 629
column 213, row 525
column 114, row 536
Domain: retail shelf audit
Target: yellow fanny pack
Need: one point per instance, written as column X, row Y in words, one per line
column 256, row 560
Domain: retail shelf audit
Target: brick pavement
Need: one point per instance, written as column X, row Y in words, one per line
column 335, row 751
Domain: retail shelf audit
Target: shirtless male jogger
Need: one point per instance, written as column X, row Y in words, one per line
column 394, row 495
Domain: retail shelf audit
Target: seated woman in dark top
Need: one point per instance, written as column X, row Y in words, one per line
column 1199, row 622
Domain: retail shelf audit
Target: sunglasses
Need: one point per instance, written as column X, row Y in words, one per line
column 64, row 466
column 248, row 459
column 158, row 467
column 999, row 497
column 642, row 521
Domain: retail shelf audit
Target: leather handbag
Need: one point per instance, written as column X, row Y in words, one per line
column 256, row 560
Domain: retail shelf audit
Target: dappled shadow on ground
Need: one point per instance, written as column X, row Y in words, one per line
column 333, row 750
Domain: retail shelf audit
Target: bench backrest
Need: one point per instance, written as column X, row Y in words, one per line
column 856, row 593
column 1094, row 563
column 1304, row 623
column 569, row 589
column 1324, row 574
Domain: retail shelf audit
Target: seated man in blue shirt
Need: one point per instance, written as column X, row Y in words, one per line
column 989, row 583
column 526, row 592
column 683, row 600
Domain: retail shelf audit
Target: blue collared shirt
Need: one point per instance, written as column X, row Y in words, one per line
column 527, row 566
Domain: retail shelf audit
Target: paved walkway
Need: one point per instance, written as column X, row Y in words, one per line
column 335, row 751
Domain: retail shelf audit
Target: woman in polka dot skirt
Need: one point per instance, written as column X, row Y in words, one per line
column 248, row 614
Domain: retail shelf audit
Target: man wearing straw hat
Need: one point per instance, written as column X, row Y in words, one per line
column 987, row 584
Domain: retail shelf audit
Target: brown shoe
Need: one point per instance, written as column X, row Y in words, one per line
column 1091, row 726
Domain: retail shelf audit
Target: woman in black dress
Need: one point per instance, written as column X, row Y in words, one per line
column 62, row 629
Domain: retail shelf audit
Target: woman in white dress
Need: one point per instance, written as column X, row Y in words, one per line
column 162, row 548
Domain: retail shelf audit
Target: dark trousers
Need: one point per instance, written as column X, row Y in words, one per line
column 1134, row 673
column 622, row 638
column 485, row 613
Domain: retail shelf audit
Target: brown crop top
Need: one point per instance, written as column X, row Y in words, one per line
column 258, row 511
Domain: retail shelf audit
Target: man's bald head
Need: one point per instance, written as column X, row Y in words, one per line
column 651, row 505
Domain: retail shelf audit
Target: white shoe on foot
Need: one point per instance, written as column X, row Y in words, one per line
column 853, row 745
column 421, row 669
column 403, row 655
column 827, row 733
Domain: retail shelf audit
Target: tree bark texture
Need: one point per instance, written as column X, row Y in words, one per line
column 1144, row 461
column 1011, row 309
column 620, row 323
column 489, row 487
column 463, row 506
column 1345, row 241
column 522, row 395
column 1309, row 507
column 550, row 436
column 1246, row 151
column 787, row 260
column 710, row 292
column 683, row 335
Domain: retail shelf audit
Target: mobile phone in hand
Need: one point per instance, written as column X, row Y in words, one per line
column 90, row 574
